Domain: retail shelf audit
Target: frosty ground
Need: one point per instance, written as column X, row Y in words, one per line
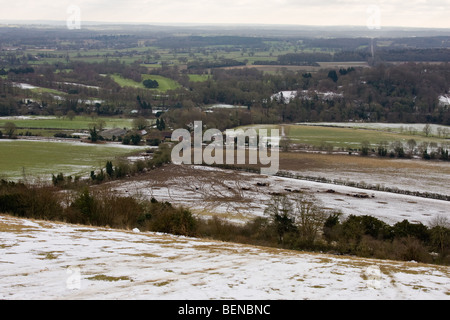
column 240, row 196
column 48, row 260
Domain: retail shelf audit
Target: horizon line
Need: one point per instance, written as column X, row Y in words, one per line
column 201, row 24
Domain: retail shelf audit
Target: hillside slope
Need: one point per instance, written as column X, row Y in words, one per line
column 46, row 260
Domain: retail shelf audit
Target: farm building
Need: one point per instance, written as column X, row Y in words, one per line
column 109, row 134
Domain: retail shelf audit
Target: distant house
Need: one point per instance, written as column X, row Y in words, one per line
column 110, row 133
column 444, row 100
column 34, row 108
column 155, row 137
column 167, row 135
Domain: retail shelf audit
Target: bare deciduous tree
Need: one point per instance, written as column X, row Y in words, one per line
column 439, row 231
column 301, row 214
column 309, row 217
column 427, row 129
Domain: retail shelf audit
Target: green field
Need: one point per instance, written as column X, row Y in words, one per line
column 164, row 83
column 343, row 137
column 198, row 77
column 41, row 90
column 41, row 159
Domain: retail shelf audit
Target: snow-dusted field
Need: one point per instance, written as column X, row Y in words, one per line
column 433, row 179
column 46, row 260
column 378, row 125
column 238, row 197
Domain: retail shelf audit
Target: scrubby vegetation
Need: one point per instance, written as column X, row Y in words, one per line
column 367, row 236
column 298, row 223
column 117, row 170
column 98, row 208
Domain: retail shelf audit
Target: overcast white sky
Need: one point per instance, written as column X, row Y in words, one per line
column 414, row 13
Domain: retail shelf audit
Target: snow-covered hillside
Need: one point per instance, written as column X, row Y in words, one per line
column 47, row 260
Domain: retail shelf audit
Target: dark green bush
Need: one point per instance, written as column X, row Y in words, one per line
column 354, row 227
column 87, row 206
column 163, row 217
column 330, row 227
column 415, row 230
column 29, row 202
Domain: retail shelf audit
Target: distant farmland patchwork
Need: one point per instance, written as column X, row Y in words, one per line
column 18, row 156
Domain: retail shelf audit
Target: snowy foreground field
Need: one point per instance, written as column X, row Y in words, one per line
column 46, row 260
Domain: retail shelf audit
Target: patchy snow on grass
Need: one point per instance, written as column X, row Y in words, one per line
column 239, row 196
column 48, row 260
column 24, row 86
column 27, row 117
column 418, row 127
column 410, row 179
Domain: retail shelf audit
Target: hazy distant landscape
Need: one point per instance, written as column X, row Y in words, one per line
column 86, row 118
